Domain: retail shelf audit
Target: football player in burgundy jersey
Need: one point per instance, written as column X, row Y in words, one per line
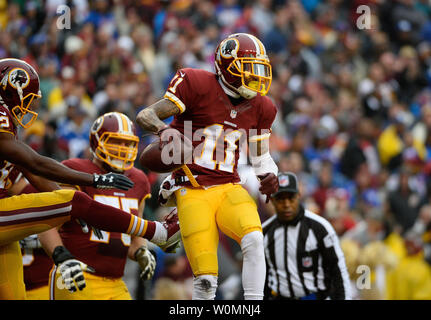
column 114, row 146
column 27, row 214
column 220, row 110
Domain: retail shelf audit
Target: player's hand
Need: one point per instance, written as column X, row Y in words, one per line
column 268, row 184
column 70, row 269
column 30, row 242
column 112, row 181
column 146, row 261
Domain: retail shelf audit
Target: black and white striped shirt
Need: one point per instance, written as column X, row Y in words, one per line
column 304, row 257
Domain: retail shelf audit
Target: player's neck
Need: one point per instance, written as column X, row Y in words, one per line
column 236, row 101
column 234, row 98
column 229, row 92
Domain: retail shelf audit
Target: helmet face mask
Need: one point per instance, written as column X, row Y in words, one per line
column 255, row 73
column 243, row 66
column 19, row 88
column 22, row 113
column 113, row 141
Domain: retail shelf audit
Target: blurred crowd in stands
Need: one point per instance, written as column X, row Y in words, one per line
column 354, row 111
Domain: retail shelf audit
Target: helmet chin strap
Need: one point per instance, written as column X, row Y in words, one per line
column 242, row 91
column 226, row 90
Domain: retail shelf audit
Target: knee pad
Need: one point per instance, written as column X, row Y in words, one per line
column 204, row 287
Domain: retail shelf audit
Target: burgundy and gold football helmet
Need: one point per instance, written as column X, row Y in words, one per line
column 113, row 141
column 19, row 87
column 243, row 66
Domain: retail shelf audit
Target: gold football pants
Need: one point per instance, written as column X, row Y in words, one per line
column 97, row 288
column 41, row 293
column 203, row 212
column 21, row 216
column 27, row 214
column 11, row 272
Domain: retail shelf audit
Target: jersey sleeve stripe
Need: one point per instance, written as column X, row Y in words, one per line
column 175, row 100
column 131, row 224
column 138, row 225
column 141, row 226
column 259, row 137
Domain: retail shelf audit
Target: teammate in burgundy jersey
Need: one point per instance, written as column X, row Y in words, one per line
column 114, row 147
column 218, row 111
column 107, row 255
column 27, row 214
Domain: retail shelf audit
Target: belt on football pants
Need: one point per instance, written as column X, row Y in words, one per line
column 189, row 177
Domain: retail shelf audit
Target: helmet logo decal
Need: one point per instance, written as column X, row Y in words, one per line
column 97, row 124
column 229, row 48
column 18, row 78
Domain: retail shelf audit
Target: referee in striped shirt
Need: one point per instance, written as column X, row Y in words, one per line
column 304, row 259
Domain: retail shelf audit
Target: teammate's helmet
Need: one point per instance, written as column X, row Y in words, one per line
column 243, row 65
column 19, row 86
column 113, row 140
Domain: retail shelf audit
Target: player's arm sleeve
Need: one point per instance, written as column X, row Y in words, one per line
column 266, row 118
column 260, row 157
column 180, row 89
column 144, row 193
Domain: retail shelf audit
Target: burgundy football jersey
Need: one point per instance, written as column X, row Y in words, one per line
column 6, row 168
column 107, row 255
column 218, row 127
column 37, row 266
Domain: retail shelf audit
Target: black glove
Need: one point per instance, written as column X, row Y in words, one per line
column 146, row 261
column 268, row 184
column 70, row 269
column 112, row 181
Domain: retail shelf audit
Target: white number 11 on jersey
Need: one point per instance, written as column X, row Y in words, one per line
column 212, row 135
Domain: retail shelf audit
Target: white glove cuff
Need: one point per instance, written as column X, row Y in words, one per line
column 263, row 164
column 168, row 194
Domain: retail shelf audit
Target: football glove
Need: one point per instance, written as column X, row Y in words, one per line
column 111, row 181
column 166, row 196
column 30, row 242
column 146, row 261
column 172, row 226
column 268, row 184
column 70, row 269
